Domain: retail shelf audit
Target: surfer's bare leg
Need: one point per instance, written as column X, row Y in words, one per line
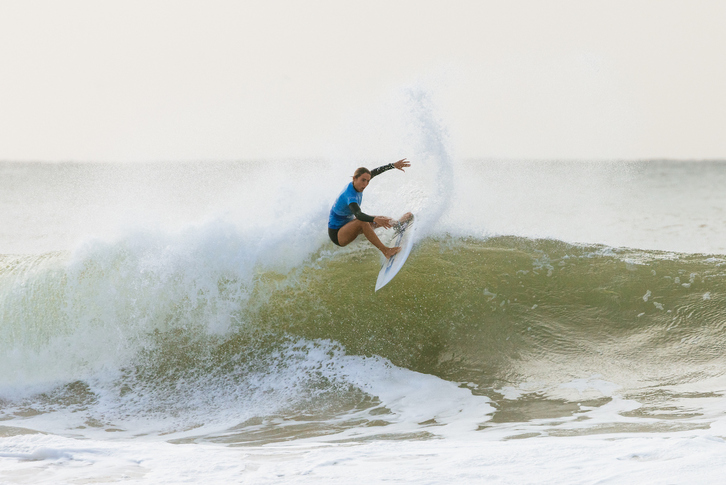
column 350, row 231
column 371, row 235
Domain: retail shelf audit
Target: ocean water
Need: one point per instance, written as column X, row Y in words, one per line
column 556, row 322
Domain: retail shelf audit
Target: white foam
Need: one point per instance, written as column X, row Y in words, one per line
column 415, row 398
column 287, row 379
column 594, row 382
column 648, row 458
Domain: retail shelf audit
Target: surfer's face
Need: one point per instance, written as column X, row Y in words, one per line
column 361, row 182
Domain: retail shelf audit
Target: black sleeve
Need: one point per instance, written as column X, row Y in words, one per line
column 380, row 170
column 359, row 214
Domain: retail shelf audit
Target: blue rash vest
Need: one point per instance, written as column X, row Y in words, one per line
column 340, row 213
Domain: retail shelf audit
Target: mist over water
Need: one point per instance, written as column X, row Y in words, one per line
column 204, row 304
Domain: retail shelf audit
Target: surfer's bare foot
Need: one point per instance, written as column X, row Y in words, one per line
column 405, row 217
column 388, row 252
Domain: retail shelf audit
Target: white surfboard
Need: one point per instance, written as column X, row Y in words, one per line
column 404, row 239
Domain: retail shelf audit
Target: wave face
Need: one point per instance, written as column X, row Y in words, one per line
column 148, row 337
column 510, row 311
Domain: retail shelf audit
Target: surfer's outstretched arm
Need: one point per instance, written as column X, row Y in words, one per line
column 399, row 165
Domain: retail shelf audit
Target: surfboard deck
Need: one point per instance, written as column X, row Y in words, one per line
column 391, row 267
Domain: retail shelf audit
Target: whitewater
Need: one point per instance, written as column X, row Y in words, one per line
column 556, row 322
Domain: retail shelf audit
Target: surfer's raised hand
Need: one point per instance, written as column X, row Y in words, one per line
column 402, row 163
column 382, row 221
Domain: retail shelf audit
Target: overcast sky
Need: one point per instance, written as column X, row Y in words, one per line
column 226, row 80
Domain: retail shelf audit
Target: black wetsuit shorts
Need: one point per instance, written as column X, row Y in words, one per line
column 333, row 233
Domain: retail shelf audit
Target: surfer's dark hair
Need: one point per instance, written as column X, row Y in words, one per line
column 360, row 171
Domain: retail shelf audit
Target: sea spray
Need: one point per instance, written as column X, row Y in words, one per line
column 432, row 153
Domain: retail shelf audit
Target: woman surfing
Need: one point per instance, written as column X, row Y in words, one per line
column 346, row 219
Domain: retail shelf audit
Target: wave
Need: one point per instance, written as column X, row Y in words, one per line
column 143, row 328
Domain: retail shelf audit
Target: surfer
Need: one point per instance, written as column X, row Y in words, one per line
column 347, row 221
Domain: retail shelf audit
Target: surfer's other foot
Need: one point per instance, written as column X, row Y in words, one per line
column 391, row 251
column 403, row 222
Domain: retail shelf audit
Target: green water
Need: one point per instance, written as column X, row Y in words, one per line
column 511, row 311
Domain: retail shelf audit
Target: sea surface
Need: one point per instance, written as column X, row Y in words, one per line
column 556, row 322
